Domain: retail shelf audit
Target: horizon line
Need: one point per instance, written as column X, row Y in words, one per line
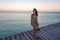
column 24, row 11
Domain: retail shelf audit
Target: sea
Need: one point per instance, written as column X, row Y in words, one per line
column 14, row 23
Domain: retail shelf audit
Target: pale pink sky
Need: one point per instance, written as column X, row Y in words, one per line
column 28, row 5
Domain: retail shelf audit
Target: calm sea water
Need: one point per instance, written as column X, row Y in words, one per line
column 13, row 23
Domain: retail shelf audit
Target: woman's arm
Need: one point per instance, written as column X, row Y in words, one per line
column 37, row 20
column 31, row 19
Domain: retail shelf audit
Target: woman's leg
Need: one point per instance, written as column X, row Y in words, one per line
column 35, row 31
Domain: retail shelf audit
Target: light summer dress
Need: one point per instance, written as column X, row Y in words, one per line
column 34, row 21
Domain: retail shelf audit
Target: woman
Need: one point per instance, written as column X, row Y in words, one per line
column 34, row 21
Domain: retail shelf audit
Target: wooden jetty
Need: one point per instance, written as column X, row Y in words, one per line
column 50, row 32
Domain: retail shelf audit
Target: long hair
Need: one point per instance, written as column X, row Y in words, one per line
column 36, row 12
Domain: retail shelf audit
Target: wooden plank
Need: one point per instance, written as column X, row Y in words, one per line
column 27, row 38
column 31, row 34
column 8, row 38
column 0, row 38
column 20, row 36
column 12, row 37
column 3, row 38
column 49, row 36
column 31, row 37
column 23, row 37
column 17, row 37
column 39, row 38
column 43, row 37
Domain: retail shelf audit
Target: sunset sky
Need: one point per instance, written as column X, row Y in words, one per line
column 28, row 5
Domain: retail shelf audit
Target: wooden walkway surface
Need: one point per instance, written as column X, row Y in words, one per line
column 50, row 32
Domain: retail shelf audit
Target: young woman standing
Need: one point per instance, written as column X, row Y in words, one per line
column 34, row 21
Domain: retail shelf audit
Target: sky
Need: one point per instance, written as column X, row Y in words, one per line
column 28, row 5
